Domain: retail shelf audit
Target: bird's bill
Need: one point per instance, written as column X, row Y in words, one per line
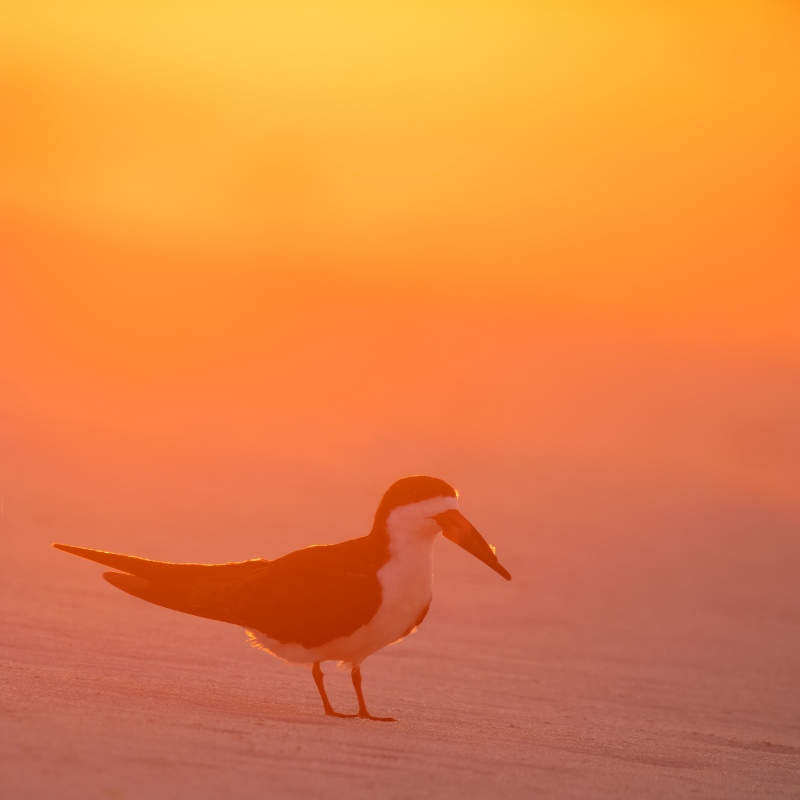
column 457, row 528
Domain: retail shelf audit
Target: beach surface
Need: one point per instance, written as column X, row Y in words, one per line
column 647, row 646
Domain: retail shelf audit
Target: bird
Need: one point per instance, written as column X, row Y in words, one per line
column 334, row 602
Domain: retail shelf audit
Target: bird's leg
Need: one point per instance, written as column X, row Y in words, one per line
column 319, row 679
column 355, row 674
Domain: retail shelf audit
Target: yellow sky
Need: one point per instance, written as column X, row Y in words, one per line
column 614, row 156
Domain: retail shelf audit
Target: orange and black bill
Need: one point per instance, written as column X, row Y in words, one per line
column 457, row 528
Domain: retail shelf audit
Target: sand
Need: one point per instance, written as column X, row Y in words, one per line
column 648, row 645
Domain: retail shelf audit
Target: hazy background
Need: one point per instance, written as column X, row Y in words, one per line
column 327, row 232
column 259, row 260
column 358, row 241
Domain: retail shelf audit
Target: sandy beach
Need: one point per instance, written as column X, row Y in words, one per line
column 647, row 646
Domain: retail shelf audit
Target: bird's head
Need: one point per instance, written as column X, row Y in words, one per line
column 422, row 507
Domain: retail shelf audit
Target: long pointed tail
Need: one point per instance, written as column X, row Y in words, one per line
column 133, row 565
column 199, row 589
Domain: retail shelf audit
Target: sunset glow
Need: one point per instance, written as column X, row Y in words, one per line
column 260, row 260
column 591, row 160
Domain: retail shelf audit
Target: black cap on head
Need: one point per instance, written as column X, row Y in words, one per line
column 412, row 489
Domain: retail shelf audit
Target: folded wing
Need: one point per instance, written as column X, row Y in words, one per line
column 308, row 597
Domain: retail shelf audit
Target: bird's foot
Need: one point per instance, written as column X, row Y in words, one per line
column 359, row 715
column 367, row 715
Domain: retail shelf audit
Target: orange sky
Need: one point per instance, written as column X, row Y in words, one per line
column 175, row 174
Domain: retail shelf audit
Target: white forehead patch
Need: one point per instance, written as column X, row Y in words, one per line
column 415, row 518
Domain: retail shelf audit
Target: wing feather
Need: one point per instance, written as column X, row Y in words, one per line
column 308, row 597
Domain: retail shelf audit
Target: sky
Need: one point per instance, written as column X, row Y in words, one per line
column 327, row 189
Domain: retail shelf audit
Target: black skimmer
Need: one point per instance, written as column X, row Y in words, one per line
column 337, row 602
